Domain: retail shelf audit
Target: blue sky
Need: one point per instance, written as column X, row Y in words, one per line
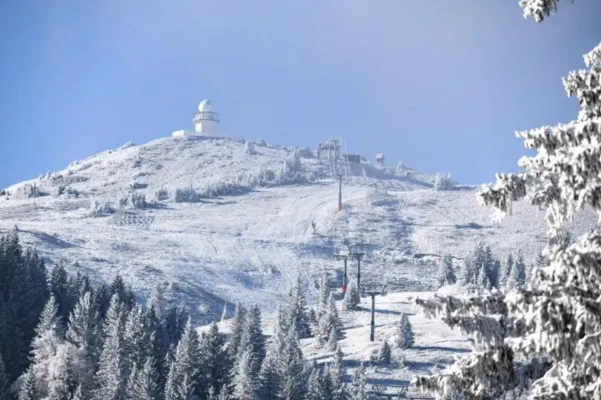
column 441, row 85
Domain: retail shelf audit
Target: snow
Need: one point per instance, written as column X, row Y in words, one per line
column 250, row 247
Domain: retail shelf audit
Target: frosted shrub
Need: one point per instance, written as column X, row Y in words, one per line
column 138, row 185
column 443, row 182
column 187, row 195
column 99, row 208
column 268, row 175
column 293, row 162
column 161, row 195
column 59, row 190
column 249, row 148
column 133, row 200
column 261, row 143
column 29, row 191
column 138, row 200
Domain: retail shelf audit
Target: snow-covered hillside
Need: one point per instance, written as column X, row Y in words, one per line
column 250, row 232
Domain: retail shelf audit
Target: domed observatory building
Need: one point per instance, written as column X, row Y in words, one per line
column 206, row 120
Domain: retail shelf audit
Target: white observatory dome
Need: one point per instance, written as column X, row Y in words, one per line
column 206, row 106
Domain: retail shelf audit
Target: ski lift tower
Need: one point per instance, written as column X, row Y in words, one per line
column 343, row 257
column 372, row 290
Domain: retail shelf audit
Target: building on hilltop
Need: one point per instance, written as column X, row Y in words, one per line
column 206, row 121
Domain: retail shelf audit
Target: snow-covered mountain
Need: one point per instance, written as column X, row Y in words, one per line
column 245, row 230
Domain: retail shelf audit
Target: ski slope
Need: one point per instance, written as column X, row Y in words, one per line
column 250, row 246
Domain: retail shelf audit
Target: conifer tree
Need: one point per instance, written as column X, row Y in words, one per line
column 224, row 394
column 384, row 353
column 60, row 291
column 329, row 322
column 337, row 372
column 45, row 346
column 253, row 341
column 291, row 369
column 84, row 334
column 111, row 378
column 269, row 378
column 175, row 322
column 61, row 380
column 102, row 299
column 28, row 390
column 297, row 310
column 324, row 298
column 144, row 384
column 507, row 269
column 325, row 384
column 238, row 323
column 352, row 297
column 158, row 302
column 214, row 358
column 136, row 337
column 359, row 385
column 186, row 364
column 446, row 273
column 404, row 337
column 245, row 382
column 314, row 389
column 78, row 394
column 333, row 340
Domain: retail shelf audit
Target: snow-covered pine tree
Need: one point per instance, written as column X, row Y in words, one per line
column 446, row 273
column 291, row 369
column 253, row 341
column 297, row 310
column 312, row 317
column 314, row 389
column 175, row 323
column 84, row 334
column 352, row 297
column 61, row 382
column 158, row 345
column 78, row 394
column 507, row 269
column 158, row 302
column 135, row 339
column 245, row 382
column 559, row 308
column 28, row 390
column 144, row 382
column 324, row 297
column 269, row 378
column 520, row 269
column 45, row 345
column 186, row 364
column 325, row 384
column 224, row 394
column 59, row 288
column 384, row 353
column 404, row 335
column 215, row 361
column 111, row 378
column 333, row 340
column 474, row 264
column 359, row 385
column 337, row 371
column 238, row 323
column 329, row 321
column 102, row 299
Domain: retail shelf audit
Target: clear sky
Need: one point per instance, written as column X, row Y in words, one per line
column 440, row 84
